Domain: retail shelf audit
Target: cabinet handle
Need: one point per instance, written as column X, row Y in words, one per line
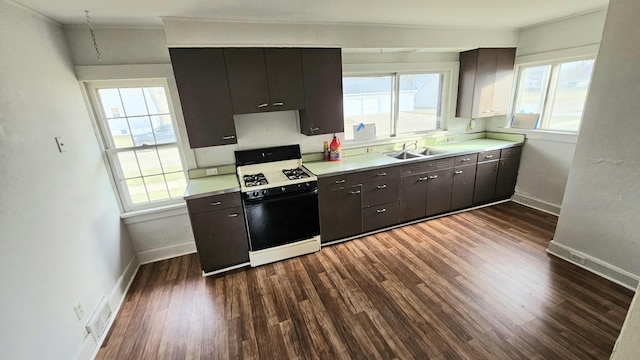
column 423, row 178
column 228, row 137
column 314, row 129
column 458, row 172
column 341, row 181
column 216, row 203
column 263, row 105
column 382, row 186
column 355, row 192
column 465, row 159
column 431, row 177
column 382, row 174
column 233, row 215
column 488, row 156
column 380, row 211
column 487, row 111
column 278, row 103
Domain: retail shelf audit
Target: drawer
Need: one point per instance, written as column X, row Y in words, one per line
column 381, row 191
column 377, row 217
column 215, row 202
column 381, row 174
column 466, row 159
column 338, row 181
column 417, row 168
column 489, row 155
column 511, row 152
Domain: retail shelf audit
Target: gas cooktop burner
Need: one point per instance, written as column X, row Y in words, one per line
column 254, row 180
column 296, row 173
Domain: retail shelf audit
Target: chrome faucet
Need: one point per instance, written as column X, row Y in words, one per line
column 414, row 144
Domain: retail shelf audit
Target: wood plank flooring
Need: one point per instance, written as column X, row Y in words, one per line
column 476, row 285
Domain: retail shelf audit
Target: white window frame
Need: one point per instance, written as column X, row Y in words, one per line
column 449, row 72
column 109, row 151
column 550, row 92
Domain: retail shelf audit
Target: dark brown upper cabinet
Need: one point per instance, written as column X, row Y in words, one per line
column 264, row 80
column 322, row 73
column 485, row 81
column 202, row 83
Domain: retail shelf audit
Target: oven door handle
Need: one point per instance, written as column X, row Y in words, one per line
column 294, row 195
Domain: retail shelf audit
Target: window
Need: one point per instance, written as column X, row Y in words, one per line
column 556, row 92
column 395, row 103
column 140, row 141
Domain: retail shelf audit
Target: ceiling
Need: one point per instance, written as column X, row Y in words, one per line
column 440, row 13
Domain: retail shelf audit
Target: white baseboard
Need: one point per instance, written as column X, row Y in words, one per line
column 168, row 252
column 89, row 348
column 594, row 265
column 537, row 204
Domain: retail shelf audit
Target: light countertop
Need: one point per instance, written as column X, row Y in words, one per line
column 211, row 185
column 376, row 159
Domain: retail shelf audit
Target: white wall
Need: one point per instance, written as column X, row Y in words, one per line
column 547, row 156
column 600, row 216
column 62, row 241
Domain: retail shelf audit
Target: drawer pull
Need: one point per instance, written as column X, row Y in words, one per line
column 423, row 178
column 431, row 177
column 488, row 156
column 466, row 159
column 355, row 192
column 278, row 103
column 233, row 215
column 380, row 211
column 228, row 137
column 314, row 129
column 341, row 181
column 382, row 186
column 382, row 174
column 216, row 203
column 458, row 172
column 263, row 105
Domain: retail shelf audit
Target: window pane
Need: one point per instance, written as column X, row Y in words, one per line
column 136, row 191
column 133, row 101
column 119, row 132
column 176, row 183
column 368, row 100
column 170, row 158
column 128, row 164
column 419, row 102
column 163, row 129
column 570, row 95
column 156, row 100
column 156, row 187
column 532, row 89
column 149, row 162
column 111, row 104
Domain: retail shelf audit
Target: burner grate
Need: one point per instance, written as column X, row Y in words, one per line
column 294, row 174
column 254, row 180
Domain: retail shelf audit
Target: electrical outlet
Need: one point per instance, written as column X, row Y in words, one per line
column 211, row 171
column 79, row 311
column 371, row 149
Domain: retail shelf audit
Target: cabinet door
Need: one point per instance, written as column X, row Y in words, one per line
column 340, row 212
column 204, row 95
column 486, row 176
column 221, row 238
column 413, row 197
column 322, row 74
column 507, row 176
column 463, row 182
column 485, row 81
column 439, row 193
column 247, row 80
column 284, row 76
column 503, row 80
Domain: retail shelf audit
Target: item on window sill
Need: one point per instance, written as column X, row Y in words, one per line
column 335, row 150
column 326, row 150
column 525, row 121
column 363, row 132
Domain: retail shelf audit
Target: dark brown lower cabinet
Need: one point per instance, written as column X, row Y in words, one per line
column 507, row 176
column 439, row 192
column 464, row 178
column 380, row 216
column 221, row 238
column 413, row 197
column 486, row 176
column 340, row 212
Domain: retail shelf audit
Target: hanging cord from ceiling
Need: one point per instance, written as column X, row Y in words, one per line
column 93, row 36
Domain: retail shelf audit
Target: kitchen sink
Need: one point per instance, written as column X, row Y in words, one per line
column 403, row 155
column 429, row 152
column 413, row 154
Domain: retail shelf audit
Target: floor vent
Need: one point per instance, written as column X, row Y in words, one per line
column 99, row 320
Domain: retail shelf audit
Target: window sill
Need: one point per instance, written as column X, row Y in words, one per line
column 549, row 135
column 155, row 213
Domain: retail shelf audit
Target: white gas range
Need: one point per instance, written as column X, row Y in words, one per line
column 280, row 199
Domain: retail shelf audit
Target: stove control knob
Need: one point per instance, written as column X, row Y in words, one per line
column 255, row 193
column 264, row 192
column 283, row 189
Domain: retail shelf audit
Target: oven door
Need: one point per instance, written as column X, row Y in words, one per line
column 282, row 219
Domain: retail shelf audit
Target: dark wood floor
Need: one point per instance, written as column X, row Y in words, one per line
column 476, row 285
